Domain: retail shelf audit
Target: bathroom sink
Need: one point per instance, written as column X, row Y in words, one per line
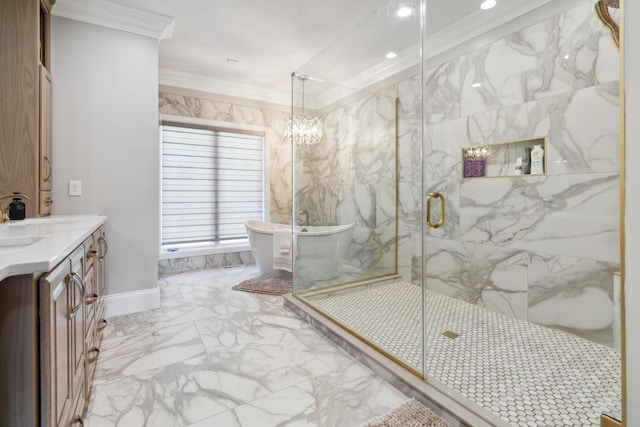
column 18, row 241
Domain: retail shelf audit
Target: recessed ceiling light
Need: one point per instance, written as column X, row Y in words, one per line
column 477, row 84
column 404, row 11
column 391, row 55
column 487, row 4
column 567, row 56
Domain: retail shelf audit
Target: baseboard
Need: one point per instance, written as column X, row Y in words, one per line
column 131, row 302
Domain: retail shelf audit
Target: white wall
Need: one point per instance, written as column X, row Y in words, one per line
column 105, row 133
column 632, row 211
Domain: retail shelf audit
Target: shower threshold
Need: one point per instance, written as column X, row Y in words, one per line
column 486, row 368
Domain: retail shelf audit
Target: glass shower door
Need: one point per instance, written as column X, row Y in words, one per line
column 521, row 147
column 357, row 205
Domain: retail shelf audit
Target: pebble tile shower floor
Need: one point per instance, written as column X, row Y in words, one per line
column 527, row 374
column 211, row 356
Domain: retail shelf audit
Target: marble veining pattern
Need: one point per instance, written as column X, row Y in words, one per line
column 557, row 80
column 350, row 178
column 167, row 267
column 211, row 356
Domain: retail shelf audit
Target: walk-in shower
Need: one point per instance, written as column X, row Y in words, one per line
column 477, row 154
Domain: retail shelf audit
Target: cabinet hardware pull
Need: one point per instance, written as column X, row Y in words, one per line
column 48, row 201
column 95, row 350
column 102, row 240
column 48, row 178
column 92, row 298
column 104, row 325
column 77, row 420
column 79, row 283
column 91, row 254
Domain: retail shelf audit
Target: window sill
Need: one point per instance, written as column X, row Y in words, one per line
column 205, row 249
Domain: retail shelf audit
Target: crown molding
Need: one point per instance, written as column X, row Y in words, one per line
column 199, row 83
column 406, row 59
column 116, row 16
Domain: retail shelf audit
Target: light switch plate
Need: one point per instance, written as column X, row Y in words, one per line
column 75, row 188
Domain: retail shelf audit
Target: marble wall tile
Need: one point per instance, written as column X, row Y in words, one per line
column 574, row 215
column 582, row 130
column 559, row 55
column 442, row 92
column 489, row 276
column 573, row 294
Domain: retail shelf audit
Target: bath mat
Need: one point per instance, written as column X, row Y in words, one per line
column 410, row 414
column 265, row 285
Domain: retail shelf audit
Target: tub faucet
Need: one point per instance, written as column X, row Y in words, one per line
column 306, row 217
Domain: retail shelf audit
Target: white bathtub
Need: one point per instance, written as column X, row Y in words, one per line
column 318, row 254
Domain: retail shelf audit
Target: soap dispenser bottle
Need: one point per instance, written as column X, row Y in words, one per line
column 17, row 208
column 537, row 160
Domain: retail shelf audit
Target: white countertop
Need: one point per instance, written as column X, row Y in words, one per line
column 37, row 245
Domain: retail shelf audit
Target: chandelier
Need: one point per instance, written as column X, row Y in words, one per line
column 303, row 130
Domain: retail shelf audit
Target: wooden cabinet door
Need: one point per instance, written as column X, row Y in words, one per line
column 56, row 340
column 45, row 129
column 45, row 136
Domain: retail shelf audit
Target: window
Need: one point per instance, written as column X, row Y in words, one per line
column 212, row 182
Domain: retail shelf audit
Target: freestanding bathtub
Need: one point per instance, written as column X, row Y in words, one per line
column 318, row 254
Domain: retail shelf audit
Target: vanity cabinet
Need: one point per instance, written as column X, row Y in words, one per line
column 63, row 342
column 51, row 304
column 25, row 133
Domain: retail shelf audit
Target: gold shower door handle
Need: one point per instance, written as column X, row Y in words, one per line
column 430, row 196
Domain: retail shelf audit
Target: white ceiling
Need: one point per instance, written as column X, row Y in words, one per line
column 251, row 47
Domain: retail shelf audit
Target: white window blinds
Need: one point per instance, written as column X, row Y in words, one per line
column 212, row 182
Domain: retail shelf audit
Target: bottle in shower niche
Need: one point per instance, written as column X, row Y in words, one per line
column 526, row 161
column 478, row 166
column 468, row 166
column 537, row 160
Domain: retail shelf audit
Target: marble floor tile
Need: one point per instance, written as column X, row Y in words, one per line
column 212, row 356
column 343, row 398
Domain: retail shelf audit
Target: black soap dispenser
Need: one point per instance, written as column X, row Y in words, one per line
column 17, row 209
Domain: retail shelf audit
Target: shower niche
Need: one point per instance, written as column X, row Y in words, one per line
column 505, row 159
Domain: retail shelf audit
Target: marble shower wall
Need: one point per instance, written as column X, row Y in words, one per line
column 350, row 177
column 541, row 248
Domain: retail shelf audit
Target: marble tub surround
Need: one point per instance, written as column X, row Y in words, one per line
column 169, row 266
column 214, row 356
